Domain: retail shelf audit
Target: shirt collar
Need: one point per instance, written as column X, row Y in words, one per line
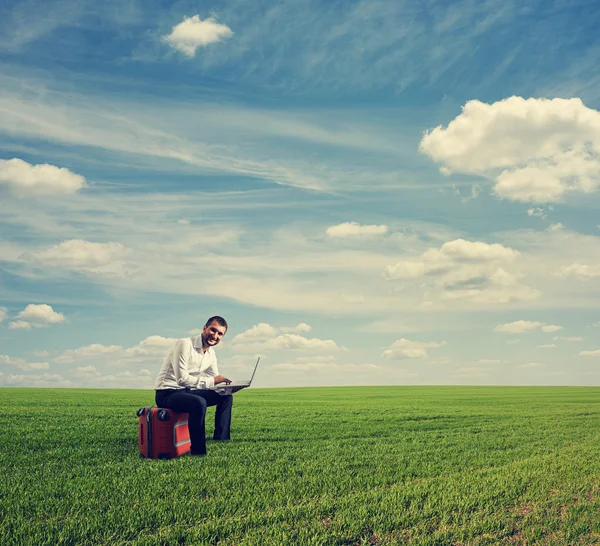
column 197, row 343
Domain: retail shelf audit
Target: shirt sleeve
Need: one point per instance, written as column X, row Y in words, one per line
column 180, row 360
column 207, row 381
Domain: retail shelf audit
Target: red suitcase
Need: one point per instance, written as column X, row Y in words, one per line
column 162, row 433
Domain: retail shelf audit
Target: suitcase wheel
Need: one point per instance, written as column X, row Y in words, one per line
column 163, row 415
column 140, row 411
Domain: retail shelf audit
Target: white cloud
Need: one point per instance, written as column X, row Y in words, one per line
column 532, row 365
column 317, row 365
column 3, row 313
column 153, row 345
column 40, row 315
column 387, row 326
column 406, row 349
column 258, row 331
column 521, row 326
column 23, row 364
column 132, row 366
column 354, row 229
column 536, row 150
column 476, row 251
column 26, row 180
column 594, row 353
column 37, row 366
column 547, row 346
column 486, row 361
column 263, row 331
column 177, row 135
column 539, row 212
column 580, row 271
column 497, row 286
column 450, row 256
column 556, row 227
column 518, row 327
column 302, row 327
column 571, row 338
column 86, row 369
column 19, row 325
column 80, row 255
column 551, row 328
column 467, row 270
column 85, row 353
column 287, row 342
column 406, row 270
column 52, row 380
column 194, row 32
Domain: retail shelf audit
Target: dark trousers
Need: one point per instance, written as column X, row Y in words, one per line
column 195, row 402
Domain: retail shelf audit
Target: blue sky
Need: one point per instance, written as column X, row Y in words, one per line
column 370, row 192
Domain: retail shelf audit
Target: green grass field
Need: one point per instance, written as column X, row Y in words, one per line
column 331, row 466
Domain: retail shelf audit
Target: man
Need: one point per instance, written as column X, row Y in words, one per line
column 186, row 381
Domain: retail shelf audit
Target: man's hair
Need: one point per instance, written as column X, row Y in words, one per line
column 220, row 320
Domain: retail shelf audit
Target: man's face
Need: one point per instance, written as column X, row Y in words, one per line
column 212, row 334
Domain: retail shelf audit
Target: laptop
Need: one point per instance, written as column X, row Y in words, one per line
column 235, row 386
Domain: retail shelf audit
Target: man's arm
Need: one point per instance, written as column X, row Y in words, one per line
column 213, row 374
column 181, row 356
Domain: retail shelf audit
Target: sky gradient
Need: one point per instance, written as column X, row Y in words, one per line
column 370, row 192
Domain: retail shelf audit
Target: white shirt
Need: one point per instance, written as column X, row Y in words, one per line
column 187, row 366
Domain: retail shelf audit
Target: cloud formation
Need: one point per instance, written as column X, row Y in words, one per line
column 22, row 364
column 580, row 271
column 36, row 316
column 264, row 337
column 468, row 270
column 85, row 256
column 522, row 326
column 264, row 331
column 354, row 229
column 450, row 257
column 535, row 150
column 153, row 345
column 19, row 325
column 403, row 349
column 194, row 32
column 85, row 353
column 594, row 353
column 26, row 180
column 302, row 327
column 41, row 314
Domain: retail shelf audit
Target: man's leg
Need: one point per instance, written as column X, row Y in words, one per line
column 186, row 402
column 223, row 417
column 224, row 403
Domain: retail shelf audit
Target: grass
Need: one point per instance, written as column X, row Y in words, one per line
column 320, row 466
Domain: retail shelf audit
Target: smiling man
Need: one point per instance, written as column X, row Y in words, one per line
column 186, row 381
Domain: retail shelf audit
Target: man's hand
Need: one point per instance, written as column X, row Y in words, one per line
column 221, row 379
